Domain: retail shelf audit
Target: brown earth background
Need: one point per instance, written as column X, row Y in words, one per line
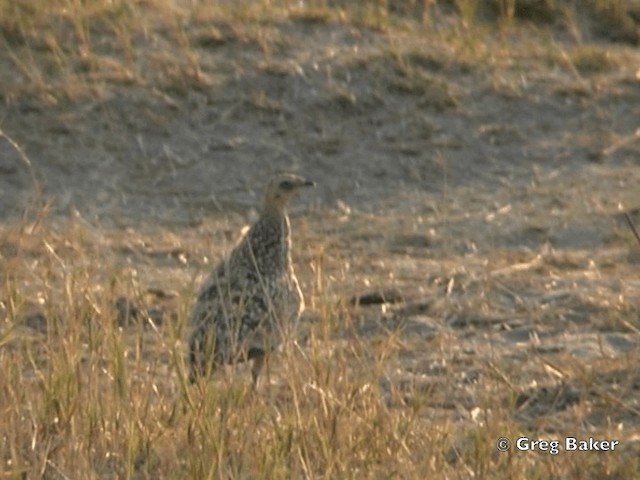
column 474, row 164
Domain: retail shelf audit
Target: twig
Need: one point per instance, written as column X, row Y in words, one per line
column 26, row 161
column 621, row 143
column 632, row 226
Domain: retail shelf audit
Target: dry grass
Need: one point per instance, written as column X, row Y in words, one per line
column 489, row 341
column 78, row 50
column 363, row 395
column 85, row 397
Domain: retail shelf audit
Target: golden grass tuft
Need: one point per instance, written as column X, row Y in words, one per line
column 68, row 50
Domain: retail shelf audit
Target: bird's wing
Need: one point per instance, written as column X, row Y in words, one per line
column 234, row 290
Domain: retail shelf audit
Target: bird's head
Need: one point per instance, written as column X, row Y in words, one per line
column 282, row 188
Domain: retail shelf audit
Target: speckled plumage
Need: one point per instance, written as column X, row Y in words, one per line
column 251, row 301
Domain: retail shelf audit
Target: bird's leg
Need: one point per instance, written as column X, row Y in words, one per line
column 258, row 363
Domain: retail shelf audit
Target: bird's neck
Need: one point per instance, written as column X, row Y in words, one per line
column 274, row 209
column 278, row 220
column 275, row 212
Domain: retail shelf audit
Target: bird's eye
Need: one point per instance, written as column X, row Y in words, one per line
column 286, row 185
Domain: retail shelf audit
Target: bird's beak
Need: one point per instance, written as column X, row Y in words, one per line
column 308, row 183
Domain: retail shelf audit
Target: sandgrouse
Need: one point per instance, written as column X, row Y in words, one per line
column 251, row 301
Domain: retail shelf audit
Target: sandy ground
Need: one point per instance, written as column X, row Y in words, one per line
column 486, row 188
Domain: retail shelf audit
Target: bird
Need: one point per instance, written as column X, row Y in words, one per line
column 251, row 302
